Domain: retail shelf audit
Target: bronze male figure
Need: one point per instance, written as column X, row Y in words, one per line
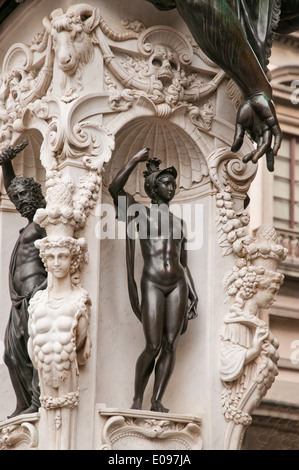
column 26, row 275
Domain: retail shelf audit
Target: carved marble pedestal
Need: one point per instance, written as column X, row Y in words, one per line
column 20, row 433
column 141, row 430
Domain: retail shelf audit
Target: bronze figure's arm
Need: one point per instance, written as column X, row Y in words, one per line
column 218, row 31
column 192, row 295
column 116, row 188
column 6, row 156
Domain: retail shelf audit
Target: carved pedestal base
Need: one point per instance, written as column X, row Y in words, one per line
column 19, row 433
column 145, row 430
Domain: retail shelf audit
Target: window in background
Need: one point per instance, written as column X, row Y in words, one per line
column 286, row 185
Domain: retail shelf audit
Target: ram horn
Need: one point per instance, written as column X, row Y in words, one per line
column 90, row 16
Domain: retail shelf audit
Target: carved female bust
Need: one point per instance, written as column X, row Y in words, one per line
column 244, row 334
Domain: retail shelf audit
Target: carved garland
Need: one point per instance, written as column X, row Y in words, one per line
column 248, row 349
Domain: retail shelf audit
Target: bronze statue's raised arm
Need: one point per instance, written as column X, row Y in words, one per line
column 116, row 188
column 6, row 156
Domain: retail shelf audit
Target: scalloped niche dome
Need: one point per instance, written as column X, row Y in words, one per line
column 168, row 142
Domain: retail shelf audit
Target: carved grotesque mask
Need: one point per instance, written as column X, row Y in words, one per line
column 165, row 65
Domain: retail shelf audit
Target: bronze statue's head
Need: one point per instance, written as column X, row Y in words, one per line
column 154, row 175
column 26, row 194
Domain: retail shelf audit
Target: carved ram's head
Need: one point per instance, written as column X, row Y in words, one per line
column 72, row 38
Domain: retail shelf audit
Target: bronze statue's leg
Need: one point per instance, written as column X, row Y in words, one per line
column 152, row 311
column 20, row 384
column 24, row 377
column 35, row 403
column 175, row 313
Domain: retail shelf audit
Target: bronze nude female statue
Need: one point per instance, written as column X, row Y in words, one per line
column 166, row 283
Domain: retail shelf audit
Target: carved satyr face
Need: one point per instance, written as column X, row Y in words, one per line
column 165, row 64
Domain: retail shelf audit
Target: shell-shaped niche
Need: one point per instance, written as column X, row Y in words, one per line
column 168, row 142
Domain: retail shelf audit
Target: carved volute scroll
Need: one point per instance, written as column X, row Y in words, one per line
column 19, row 433
column 231, row 178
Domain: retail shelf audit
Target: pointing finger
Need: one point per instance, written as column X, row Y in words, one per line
column 264, row 147
column 270, row 160
column 238, row 138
